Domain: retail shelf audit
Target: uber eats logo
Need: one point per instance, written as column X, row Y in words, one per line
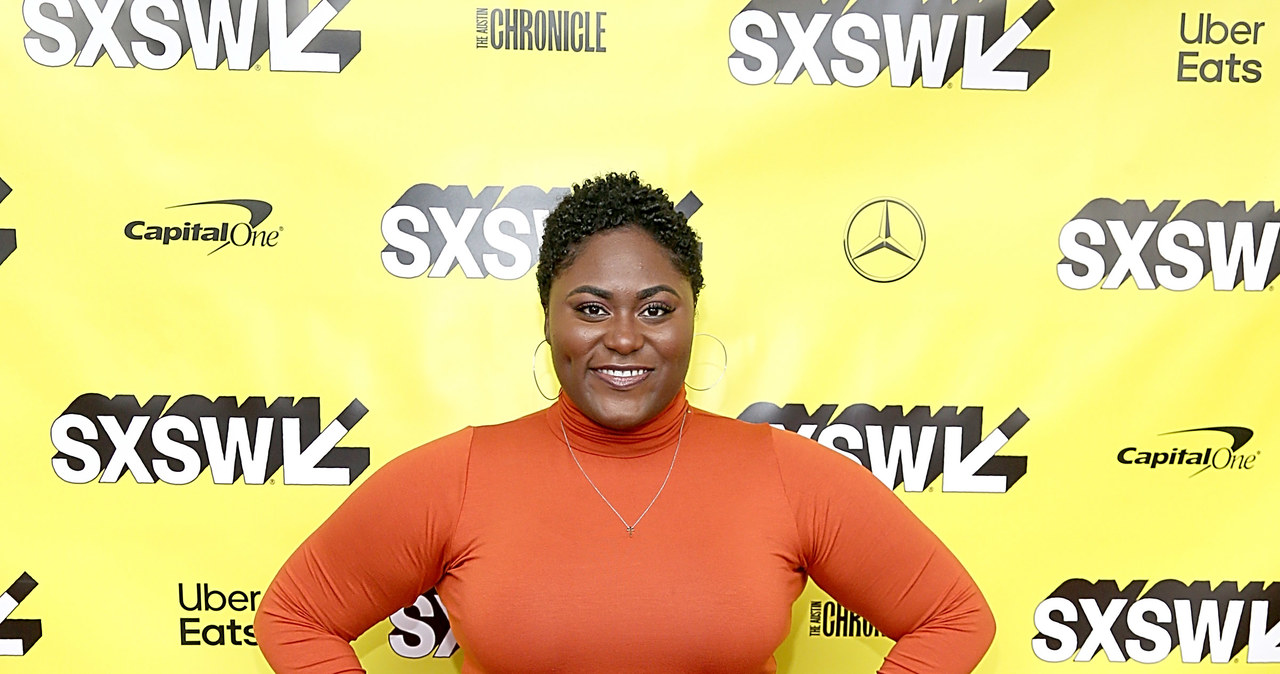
column 438, row 229
column 1170, row 247
column 156, row 34
column 422, row 629
column 101, row 438
column 1083, row 619
column 210, row 616
column 776, row 40
column 911, row 449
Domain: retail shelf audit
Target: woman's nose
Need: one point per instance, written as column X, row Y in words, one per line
column 623, row 335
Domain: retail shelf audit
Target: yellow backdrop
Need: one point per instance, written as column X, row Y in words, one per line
column 249, row 248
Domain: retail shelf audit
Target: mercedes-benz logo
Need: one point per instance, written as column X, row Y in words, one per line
column 880, row 242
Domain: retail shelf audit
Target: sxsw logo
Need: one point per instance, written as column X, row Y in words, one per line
column 8, row 237
column 101, row 438
column 1171, row 248
column 1082, row 619
column 17, row 636
column 439, row 229
column 156, row 34
column 422, row 629
column 910, row 449
column 776, row 40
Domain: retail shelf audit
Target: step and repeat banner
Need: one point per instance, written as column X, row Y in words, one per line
column 1017, row 258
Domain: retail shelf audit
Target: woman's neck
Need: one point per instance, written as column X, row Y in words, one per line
column 585, row 435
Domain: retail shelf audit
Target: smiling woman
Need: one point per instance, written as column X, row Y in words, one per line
column 684, row 535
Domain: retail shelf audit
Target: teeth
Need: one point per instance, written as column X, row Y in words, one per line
column 622, row 373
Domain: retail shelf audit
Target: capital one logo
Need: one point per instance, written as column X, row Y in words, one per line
column 17, row 635
column 1166, row 247
column 156, row 34
column 439, row 229
column 911, row 449
column 8, row 237
column 1083, row 619
column 100, row 438
column 927, row 42
column 235, row 232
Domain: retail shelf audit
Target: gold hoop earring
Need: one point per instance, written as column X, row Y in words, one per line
column 723, row 368
column 535, row 370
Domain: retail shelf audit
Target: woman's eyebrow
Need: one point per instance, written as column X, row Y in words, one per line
column 650, row 292
column 592, row 290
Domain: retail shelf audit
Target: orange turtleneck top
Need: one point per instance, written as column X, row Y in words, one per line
column 539, row 575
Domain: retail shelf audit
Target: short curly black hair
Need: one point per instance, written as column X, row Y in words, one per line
column 608, row 202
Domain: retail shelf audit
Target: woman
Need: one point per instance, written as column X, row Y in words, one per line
column 620, row 529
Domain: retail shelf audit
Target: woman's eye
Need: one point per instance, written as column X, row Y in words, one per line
column 655, row 311
column 592, row 310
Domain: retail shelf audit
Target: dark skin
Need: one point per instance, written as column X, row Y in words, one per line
column 620, row 325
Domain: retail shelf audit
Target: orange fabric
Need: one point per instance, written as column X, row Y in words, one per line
column 539, row 575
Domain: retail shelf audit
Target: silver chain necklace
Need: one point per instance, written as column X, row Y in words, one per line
column 631, row 528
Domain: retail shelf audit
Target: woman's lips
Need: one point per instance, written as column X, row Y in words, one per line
column 621, row 378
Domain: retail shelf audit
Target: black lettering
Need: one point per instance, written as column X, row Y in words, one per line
column 1232, row 62
column 557, row 28
column 842, row 621
column 217, row 630
column 578, row 32
column 1183, row 66
column 209, row 595
column 526, row 23
column 1240, row 32
column 1252, row 71
column 540, row 30
column 183, row 604
column 1208, row 31
column 1213, row 74
column 182, row 627
column 496, row 32
column 1182, row 29
column 600, row 31
column 512, row 30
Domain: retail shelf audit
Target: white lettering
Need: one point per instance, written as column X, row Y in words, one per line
column 76, row 449
column 1225, row 259
column 46, row 28
column 1094, row 266
column 522, row 257
column 903, row 54
column 166, row 445
column 1053, row 629
column 417, row 249
column 1180, row 256
column 757, row 49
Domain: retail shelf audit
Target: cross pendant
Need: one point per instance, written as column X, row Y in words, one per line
column 630, row 531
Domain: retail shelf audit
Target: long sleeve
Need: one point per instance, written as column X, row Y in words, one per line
column 862, row 546
column 384, row 546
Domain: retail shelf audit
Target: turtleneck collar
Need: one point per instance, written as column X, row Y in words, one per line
column 588, row 436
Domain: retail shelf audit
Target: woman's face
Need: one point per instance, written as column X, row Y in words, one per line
column 620, row 324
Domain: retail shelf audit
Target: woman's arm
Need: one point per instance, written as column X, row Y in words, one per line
column 378, row 551
column 862, row 546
